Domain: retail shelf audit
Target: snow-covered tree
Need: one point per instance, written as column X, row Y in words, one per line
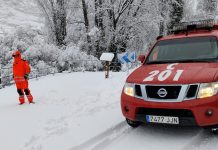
column 55, row 13
column 176, row 15
column 190, row 7
column 206, row 9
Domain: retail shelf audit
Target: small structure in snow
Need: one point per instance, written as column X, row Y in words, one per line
column 107, row 57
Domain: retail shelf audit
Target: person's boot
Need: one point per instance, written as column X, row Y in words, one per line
column 30, row 99
column 21, row 99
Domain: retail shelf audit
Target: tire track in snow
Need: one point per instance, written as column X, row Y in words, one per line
column 201, row 141
column 104, row 139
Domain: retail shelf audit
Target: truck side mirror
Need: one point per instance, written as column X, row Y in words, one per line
column 141, row 58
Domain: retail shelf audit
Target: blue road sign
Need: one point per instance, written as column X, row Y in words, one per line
column 126, row 57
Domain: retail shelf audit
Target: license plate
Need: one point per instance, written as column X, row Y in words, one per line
column 162, row 119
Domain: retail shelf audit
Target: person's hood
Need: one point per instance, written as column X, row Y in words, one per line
column 181, row 73
column 18, row 56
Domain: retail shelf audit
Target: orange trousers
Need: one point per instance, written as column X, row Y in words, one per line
column 22, row 87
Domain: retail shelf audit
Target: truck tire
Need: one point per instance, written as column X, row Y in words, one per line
column 133, row 124
column 214, row 130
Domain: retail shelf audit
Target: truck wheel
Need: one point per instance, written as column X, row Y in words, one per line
column 211, row 130
column 214, row 130
column 133, row 124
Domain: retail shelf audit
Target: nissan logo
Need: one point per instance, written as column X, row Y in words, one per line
column 162, row 92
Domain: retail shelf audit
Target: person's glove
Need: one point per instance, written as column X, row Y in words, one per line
column 26, row 76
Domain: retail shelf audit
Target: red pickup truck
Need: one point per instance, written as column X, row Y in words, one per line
column 177, row 82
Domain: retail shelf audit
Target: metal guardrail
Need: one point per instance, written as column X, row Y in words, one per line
column 6, row 75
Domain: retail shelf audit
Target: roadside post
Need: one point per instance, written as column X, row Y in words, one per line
column 127, row 58
column 107, row 58
column 1, row 77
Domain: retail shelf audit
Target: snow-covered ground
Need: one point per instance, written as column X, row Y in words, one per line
column 19, row 13
column 81, row 111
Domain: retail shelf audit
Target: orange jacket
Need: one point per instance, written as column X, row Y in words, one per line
column 20, row 67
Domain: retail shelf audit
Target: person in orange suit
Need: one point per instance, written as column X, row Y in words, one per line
column 21, row 71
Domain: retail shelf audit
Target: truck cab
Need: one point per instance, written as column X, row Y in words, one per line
column 177, row 83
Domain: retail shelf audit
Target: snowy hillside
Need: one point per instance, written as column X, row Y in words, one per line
column 81, row 111
column 22, row 13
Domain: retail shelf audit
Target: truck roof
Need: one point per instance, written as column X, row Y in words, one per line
column 193, row 29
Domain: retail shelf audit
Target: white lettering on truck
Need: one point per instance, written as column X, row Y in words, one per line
column 162, row 76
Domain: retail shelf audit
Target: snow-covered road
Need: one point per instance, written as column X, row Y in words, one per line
column 81, row 111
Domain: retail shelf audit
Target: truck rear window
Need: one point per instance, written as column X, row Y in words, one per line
column 185, row 50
